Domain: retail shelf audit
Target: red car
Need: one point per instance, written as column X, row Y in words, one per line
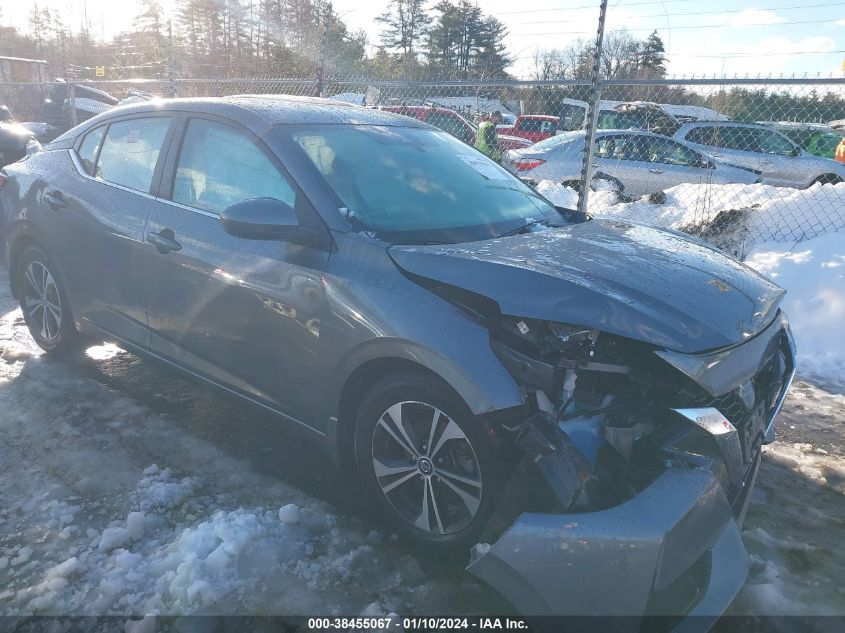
column 453, row 123
column 534, row 127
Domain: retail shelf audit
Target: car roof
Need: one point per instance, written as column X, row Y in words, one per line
column 260, row 111
column 692, row 124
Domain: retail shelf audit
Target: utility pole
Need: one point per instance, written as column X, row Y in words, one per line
column 595, row 96
column 324, row 49
column 171, row 78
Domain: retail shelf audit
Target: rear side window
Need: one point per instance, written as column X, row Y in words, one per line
column 89, row 148
column 704, row 136
column 218, row 166
column 130, row 152
column 743, row 139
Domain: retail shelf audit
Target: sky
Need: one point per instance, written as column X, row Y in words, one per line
column 718, row 37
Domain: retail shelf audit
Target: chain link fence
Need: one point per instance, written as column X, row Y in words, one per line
column 738, row 162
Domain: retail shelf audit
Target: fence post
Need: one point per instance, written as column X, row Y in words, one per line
column 171, row 80
column 71, row 100
column 595, row 95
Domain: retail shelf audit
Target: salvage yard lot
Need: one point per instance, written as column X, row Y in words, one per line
column 83, row 445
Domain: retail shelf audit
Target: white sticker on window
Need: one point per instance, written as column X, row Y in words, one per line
column 133, row 135
column 485, row 167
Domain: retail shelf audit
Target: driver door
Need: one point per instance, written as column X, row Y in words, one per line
column 243, row 313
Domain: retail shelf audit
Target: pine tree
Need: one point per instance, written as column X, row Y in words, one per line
column 652, row 57
column 405, row 25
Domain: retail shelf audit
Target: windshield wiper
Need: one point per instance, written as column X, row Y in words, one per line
column 524, row 228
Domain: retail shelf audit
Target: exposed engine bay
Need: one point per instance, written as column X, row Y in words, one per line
column 607, row 415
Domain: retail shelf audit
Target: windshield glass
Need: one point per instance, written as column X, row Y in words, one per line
column 418, row 185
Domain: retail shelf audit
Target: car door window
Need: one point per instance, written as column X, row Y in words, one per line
column 219, row 166
column 704, row 136
column 89, row 148
column 743, row 139
column 130, row 152
column 664, row 150
column 770, row 142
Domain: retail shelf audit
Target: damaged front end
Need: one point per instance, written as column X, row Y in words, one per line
column 634, row 469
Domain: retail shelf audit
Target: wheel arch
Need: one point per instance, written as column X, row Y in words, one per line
column 482, row 386
column 16, row 248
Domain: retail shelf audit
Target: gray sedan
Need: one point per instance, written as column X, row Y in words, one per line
column 635, row 162
column 587, row 396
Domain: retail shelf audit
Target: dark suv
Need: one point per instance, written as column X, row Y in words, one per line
column 588, row 395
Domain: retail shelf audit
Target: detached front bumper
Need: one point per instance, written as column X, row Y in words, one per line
column 674, row 549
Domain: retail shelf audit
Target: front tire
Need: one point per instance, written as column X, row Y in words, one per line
column 426, row 463
column 44, row 303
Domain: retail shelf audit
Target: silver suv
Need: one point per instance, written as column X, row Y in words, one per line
column 779, row 161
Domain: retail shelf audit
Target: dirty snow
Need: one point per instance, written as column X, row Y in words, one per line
column 774, row 214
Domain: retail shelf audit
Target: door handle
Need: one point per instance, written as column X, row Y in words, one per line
column 164, row 241
column 55, row 199
column 655, row 171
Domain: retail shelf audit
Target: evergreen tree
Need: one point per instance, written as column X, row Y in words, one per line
column 652, row 57
column 405, row 25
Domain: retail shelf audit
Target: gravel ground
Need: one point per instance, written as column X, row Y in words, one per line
column 126, row 489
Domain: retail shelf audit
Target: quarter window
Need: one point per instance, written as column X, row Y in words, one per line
column 89, row 148
column 219, row 166
column 130, row 152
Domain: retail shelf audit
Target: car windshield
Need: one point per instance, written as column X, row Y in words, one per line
column 418, row 185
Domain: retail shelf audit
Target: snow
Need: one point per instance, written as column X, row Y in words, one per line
column 813, row 274
column 771, row 214
column 289, row 514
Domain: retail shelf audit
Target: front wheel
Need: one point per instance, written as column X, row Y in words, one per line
column 426, row 463
column 44, row 303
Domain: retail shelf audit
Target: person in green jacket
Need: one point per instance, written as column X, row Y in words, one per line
column 487, row 140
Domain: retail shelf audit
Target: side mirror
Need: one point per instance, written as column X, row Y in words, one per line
column 260, row 219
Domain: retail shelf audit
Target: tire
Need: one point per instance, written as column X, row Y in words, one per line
column 440, row 514
column 827, row 179
column 44, row 303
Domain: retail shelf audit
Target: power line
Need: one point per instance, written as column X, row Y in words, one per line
column 739, row 55
column 674, row 28
column 669, row 15
column 590, row 6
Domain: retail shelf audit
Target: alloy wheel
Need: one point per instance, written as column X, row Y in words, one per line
column 41, row 301
column 426, row 467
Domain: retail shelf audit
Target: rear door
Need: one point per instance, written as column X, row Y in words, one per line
column 99, row 209
column 672, row 163
column 243, row 313
column 624, row 157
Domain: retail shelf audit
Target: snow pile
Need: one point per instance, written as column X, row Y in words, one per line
column 767, row 214
column 813, row 274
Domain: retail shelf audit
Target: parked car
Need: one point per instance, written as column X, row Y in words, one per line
column 15, row 139
column 642, row 115
column 534, row 127
column 453, row 123
column 780, row 161
column 589, row 396
column 634, row 163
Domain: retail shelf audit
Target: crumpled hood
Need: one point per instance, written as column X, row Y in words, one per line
column 624, row 278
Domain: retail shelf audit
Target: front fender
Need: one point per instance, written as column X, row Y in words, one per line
column 469, row 366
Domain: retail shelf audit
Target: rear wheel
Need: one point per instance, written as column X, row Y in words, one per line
column 425, row 462
column 44, row 303
column 827, row 179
